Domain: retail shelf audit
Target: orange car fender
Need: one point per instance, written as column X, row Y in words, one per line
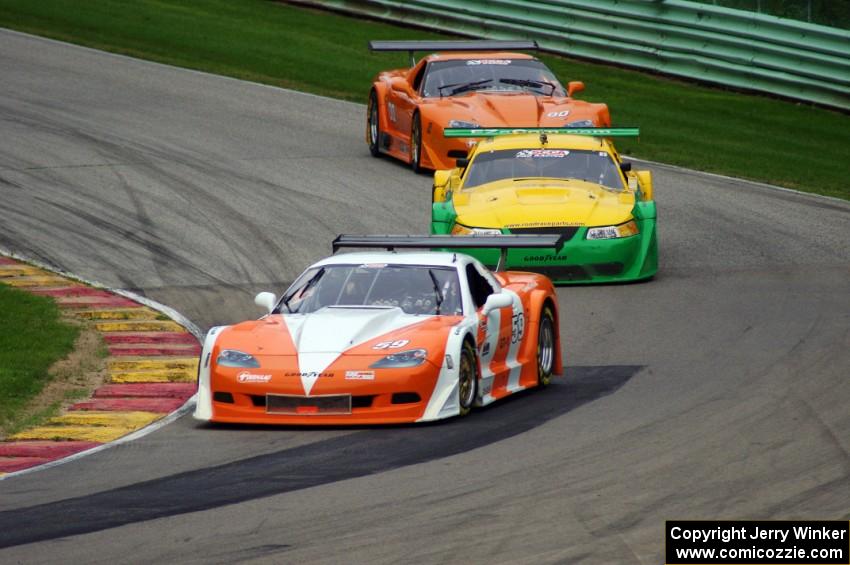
column 381, row 87
column 603, row 115
column 430, row 140
column 537, row 300
column 444, row 402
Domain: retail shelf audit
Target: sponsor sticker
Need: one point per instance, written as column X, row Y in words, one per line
column 360, row 375
column 542, row 153
column 543, row 224
column 486, row 386
column 488, row 62
column 309, row 374
column 543, row 258
column 246, row 377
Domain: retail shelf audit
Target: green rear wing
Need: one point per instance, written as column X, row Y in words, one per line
column 493, row 132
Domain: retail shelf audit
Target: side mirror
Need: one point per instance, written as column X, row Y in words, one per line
column 401, row 85
column 573, row 87
column 266, row 300
column 625, row 167
column 496, row 301
column 461, row 163
column 645, row 183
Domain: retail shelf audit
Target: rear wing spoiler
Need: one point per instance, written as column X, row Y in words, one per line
column 493, row 132
column 502, row 242
column 481, row 45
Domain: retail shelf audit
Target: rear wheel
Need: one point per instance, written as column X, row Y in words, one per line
column 416, row 144
column 373, row 125
column 545, row 347
column 467, row 378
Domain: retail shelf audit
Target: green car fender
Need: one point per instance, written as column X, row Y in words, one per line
column 443, row 217
column 645, row 216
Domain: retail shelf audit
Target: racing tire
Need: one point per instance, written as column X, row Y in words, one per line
column 467, row 378
column 416, row 144
column 545, row 347
column 373, row 125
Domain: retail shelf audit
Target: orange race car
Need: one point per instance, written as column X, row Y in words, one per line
column 468, row 84
column 385, row 337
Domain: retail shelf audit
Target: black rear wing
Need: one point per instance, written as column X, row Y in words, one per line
column 502, row 242
column 479, row 45
column 470, row 45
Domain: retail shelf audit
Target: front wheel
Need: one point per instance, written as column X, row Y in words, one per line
column 545, row 347
column 416, row 144
column 467, row 385
column 373, row 125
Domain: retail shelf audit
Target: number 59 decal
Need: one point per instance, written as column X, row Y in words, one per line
column 391, row 344
column 517, row 327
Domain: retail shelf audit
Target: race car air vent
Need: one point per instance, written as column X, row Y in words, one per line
column 405, row 398
column 223, row 397
column 457, row 154
column 607, row 269
column 362, row 401
column 566, row 231
column 562, row 273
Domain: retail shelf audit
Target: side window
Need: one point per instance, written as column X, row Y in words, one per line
column 479, row 287
column 417, row 80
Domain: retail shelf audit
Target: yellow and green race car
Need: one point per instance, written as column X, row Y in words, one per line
column 566, row 181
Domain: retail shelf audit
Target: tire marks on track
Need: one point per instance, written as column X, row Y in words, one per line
column 354, row 455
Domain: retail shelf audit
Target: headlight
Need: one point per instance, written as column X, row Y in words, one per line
column 462, row 124
column 234, row 358
column 613, row 232
column 460, row 229
column 410, row 358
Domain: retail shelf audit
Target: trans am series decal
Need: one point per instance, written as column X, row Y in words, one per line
column 488, row 62
column 534, row 153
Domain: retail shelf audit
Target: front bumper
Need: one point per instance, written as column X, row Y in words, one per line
column 583, row 261
column 392, row 396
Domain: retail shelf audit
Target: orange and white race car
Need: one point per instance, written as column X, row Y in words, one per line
column 386, row 337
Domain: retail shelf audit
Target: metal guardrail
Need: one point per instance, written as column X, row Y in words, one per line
column 743, row 50
column 832, row 13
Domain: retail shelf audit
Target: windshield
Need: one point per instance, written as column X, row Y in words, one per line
column 448, row 78
column 592, row 166
column 413, row 288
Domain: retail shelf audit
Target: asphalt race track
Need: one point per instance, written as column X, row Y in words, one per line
column 719, row 390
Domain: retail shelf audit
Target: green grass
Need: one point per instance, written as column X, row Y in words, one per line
column 32, row 338
column 755, row 137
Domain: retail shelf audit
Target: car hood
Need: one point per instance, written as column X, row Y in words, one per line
column 513, row 109
column 312, row 342
column 334, row 330
column 540, row 203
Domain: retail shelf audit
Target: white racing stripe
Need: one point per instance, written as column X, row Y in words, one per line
column 491, row 342
column 322, row 336
column 514, row 367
